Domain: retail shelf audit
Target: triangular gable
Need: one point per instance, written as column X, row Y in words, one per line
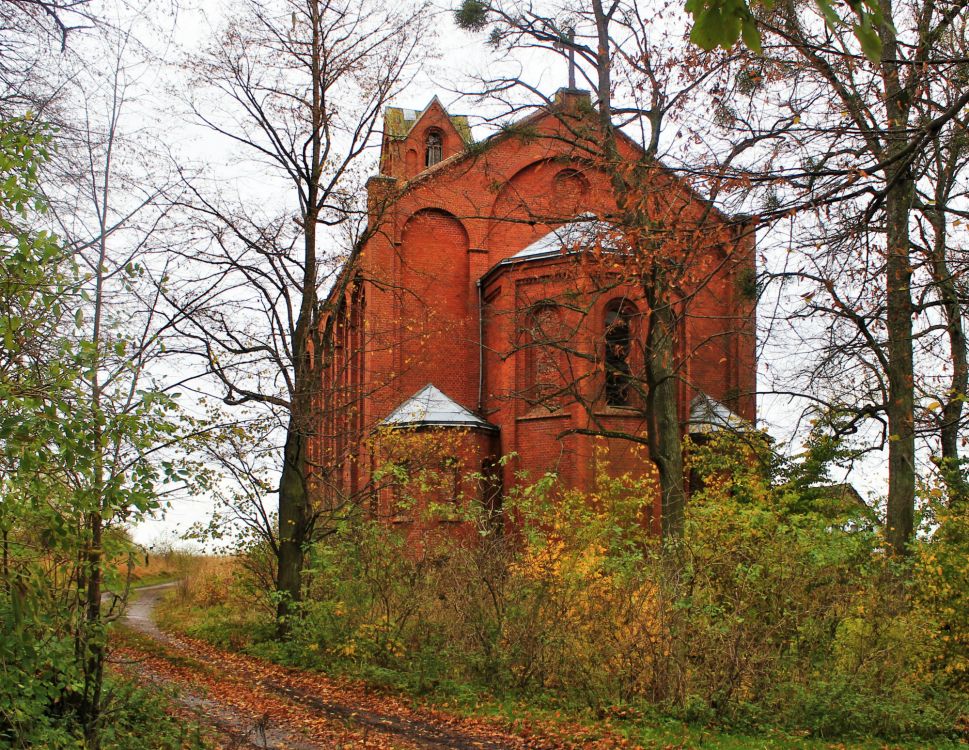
column 533, row 121
column 400, row 122
column 430, row 407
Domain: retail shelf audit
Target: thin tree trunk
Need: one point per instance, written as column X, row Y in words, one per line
column 951, row 418
column 900, row 515
column 94, row 637
column 662, row 412
column 665, row 444
column 6, row 559
column 94, row 628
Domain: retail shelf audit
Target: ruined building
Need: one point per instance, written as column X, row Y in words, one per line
column 496, row 303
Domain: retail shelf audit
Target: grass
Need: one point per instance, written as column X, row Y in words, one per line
column 652, row 732
column 659, row 733
column 151, row 569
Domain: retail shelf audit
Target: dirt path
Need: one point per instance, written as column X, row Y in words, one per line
column 256, row 704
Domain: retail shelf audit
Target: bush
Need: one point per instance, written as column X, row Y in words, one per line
column 40, row 695
column 779, row 607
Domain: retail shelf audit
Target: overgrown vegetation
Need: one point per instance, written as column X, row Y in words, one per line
column 76, row 436
column 782, row 609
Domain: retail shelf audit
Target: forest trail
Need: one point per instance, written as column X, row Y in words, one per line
column 253, row 703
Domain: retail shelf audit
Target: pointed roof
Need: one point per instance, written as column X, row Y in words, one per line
column 526, row 125
column 430, row 407
column 399, row 121
column 708, row 416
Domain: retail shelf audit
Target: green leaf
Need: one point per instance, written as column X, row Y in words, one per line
column 830, row 14
column 751, row 35
column 708, row 29
column 871, row 43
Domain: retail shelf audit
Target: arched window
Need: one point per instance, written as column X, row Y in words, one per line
column 618, row 336
column 451, row 480
column 435, row 148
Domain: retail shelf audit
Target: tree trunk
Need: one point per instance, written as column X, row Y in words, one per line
column 900, row 193
column 293, row 523
column 93, row 637
column 662, row 412
column 900, row 517
column 6, row 559
column 665, row 443
column 950, row 465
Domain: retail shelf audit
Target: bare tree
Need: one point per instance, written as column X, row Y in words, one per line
column 867, row 176
column 300, row 86
column 108, row 416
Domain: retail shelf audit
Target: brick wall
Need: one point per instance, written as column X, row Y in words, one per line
column 440, row 230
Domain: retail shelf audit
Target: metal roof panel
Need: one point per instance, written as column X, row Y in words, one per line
column 708, row 415
column 431, row 407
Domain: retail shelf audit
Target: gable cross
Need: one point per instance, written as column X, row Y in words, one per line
column 568, row 42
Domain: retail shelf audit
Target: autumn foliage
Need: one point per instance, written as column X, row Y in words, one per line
column 783, row 610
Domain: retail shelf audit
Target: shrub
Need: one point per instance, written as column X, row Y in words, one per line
column 778, row 607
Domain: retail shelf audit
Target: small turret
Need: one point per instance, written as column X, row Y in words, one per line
column 417, row 140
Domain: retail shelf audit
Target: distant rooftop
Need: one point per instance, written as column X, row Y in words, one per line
column 430, row 407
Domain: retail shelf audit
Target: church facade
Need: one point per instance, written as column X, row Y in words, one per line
column 496, row 305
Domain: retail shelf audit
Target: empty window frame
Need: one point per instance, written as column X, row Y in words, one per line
column 618, row 335
column 434, row 148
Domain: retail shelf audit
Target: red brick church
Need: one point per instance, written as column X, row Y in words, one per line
column 492, row 304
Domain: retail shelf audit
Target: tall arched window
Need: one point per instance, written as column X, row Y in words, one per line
column 618, row 336
column 435, row 148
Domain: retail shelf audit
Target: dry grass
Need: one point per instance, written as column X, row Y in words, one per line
column 148, row 568
column 212, row 601
column 206, row 581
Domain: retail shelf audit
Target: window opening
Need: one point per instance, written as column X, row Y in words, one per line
column 435, row 148
column 618, row 336
column 451, row 479
column 541, row 364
